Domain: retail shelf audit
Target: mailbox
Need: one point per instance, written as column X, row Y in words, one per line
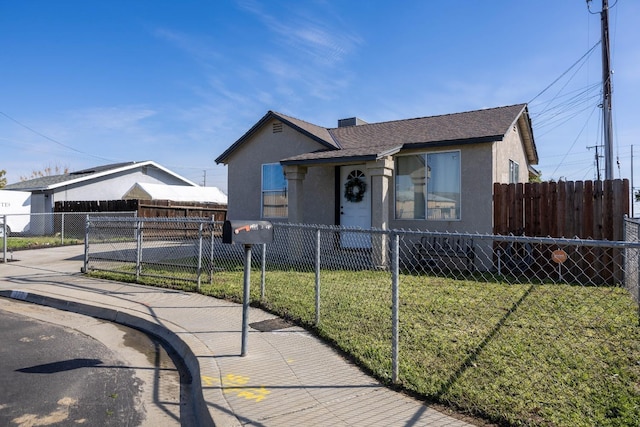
column 247, row 232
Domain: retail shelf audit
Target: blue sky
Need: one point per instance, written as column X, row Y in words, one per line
column 85, row 83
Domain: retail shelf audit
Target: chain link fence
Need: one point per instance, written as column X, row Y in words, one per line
column 164, row 248
column 25, row 231
column 494, row 325
column 632, row 234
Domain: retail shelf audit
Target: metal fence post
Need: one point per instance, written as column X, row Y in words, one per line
column 263, row 270
column 246, row 296
column 213, row 227
column 138, row 249
column 637, row 225
column 61, row 229
column 317, row 268
column 4, row 238
column 395, row 291
column 199, row 270
column 87, row 224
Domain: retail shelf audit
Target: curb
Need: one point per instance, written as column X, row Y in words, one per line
column 200, row 409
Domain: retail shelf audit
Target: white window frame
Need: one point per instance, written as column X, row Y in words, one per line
column 514, row 172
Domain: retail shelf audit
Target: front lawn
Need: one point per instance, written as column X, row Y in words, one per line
column 524, row 354
column 20, row 243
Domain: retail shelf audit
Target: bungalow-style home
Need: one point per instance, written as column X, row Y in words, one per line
column 430, row 173
column 434, row 173
column 107, row 182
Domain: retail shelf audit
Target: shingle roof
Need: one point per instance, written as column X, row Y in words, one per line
column 54, row 181
column 372, row 140
column 45, row 182
column 41, row 183
column 317, row 133
column 102, row 168
column 320, row 133
column 479, row 124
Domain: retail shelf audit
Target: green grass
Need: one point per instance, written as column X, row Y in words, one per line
column 19, row 243
column 525, row 354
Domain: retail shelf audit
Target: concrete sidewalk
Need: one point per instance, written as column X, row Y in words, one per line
column 288, row 377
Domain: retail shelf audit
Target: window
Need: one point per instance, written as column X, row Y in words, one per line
column 514, row 172
column 428, row 186
column 274, row 191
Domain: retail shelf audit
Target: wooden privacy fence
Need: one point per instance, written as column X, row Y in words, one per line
column 148, row 208
column 583, row 209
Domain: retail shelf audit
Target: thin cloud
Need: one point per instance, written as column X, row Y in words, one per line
column 120, row 118
column 193, row 46
column 318, row 41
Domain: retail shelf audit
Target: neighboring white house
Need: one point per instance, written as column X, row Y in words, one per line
column 107, row 182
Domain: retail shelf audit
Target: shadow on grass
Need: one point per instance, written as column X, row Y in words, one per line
column 473, row 355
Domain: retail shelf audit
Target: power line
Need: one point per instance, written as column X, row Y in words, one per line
column 563, row 74
column 68, row 147
column 575, row 140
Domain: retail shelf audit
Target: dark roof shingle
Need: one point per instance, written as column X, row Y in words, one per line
column 479, row 124
column 371, row 140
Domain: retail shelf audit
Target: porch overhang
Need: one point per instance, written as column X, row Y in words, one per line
column 340, row 157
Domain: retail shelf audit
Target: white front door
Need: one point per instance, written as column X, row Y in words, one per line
column 355, row 205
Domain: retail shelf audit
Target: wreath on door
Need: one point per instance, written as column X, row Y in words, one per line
column 355, row 187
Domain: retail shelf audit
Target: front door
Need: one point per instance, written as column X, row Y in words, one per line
column 355, row 205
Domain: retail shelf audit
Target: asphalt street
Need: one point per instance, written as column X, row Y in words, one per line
column 53, row 371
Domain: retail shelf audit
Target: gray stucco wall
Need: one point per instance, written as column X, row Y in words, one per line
column 511, row 148
column 319, row 196
column 244, row 168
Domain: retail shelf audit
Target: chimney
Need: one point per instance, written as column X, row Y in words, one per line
column 352, row 121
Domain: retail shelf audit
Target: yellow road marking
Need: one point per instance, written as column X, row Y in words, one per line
column 236, row 384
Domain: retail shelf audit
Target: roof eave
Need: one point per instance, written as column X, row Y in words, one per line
column 344, row 159
column 270, row 115
column 526, row 130
column 114, row 171
column 450, row 142
column 330, row 160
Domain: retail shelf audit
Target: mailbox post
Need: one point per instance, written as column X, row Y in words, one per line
column 247, row 233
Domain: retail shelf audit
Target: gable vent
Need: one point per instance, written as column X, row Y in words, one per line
column 277, row 127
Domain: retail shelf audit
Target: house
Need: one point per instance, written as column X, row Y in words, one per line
column 431, row 173
column 107, row 182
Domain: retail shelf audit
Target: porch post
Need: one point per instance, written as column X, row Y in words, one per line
column 295, row 177
column 380, row 172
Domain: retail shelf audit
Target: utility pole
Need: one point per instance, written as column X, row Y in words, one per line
column 606, row 92
column 606, row 88
column 205, row 178
column 597, row 160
